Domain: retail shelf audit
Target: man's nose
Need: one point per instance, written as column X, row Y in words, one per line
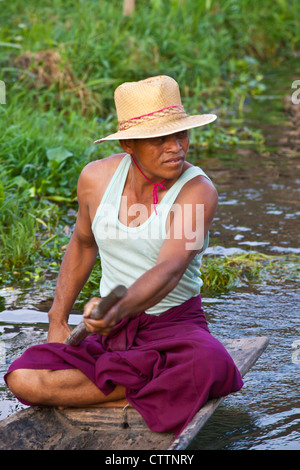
column 174, row 143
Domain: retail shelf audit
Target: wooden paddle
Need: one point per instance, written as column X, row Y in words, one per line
column 98, row 312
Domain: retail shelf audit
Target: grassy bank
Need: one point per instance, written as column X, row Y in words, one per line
column 60, row 62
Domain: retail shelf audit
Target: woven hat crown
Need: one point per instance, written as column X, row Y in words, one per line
column 151, row 108
column 133, row 99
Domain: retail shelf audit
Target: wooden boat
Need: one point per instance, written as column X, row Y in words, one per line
column 115, row 426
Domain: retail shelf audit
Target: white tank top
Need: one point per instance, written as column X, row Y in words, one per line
column 128, row 252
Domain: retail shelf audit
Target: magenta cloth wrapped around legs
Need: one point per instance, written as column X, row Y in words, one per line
column 170, row 364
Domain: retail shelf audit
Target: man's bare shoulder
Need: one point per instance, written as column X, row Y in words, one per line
column 199, row 189
column 99, row 172
column 102, row 168
column 204, row 184
column 94, row 179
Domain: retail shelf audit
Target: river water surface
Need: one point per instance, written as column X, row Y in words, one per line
column 258, row 211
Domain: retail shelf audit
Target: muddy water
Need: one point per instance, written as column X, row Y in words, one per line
column 258, row 211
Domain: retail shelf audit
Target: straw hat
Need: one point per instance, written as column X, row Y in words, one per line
column 152, row 108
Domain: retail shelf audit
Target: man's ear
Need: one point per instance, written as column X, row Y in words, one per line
column 127, row 145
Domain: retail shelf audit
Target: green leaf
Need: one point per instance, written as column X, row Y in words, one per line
column 58, row 154
column 2, row 197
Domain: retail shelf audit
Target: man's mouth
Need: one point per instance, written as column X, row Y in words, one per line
column 174, row 160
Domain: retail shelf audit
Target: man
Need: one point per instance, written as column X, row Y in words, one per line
column 143, row 211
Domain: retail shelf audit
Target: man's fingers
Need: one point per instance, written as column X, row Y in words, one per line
column 90, row 305
column 103, row 326
column 98, row 326
column 112, row 316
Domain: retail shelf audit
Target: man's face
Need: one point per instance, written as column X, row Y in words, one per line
column 160, row 157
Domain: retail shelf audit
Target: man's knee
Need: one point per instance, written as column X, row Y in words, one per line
column 26, row 384
column 15, row 380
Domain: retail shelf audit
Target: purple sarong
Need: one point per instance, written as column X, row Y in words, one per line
column 170, row 364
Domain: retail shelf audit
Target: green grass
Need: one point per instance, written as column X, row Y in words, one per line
column 61, row 60
column 221, row 274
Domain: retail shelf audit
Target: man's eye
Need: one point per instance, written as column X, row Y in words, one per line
column 182, row 134
column 159, row 140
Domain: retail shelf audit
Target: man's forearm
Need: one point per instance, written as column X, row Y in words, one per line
column 76, row 267
column 150, row 289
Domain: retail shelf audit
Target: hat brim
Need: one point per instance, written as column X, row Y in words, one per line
column 171, row 127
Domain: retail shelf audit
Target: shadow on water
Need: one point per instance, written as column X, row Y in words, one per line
column 258, row 210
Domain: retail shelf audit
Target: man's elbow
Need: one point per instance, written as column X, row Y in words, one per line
column 83, row 241
column 173, row 272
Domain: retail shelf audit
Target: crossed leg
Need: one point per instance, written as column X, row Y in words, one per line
column 69, row 387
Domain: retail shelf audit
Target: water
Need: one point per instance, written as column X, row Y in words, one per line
column 258, row 210
column 265, row 414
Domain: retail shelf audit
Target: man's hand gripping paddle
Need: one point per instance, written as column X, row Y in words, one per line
column 98, row 312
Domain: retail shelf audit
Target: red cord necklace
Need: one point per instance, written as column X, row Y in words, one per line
column 155, row 185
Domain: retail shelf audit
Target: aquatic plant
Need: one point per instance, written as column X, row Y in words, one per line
column 221, row 274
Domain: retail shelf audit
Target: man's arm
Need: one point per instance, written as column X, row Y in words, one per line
column 174, row 258
column 76, row 266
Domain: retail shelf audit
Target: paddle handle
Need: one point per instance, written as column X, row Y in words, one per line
column 98, row 312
